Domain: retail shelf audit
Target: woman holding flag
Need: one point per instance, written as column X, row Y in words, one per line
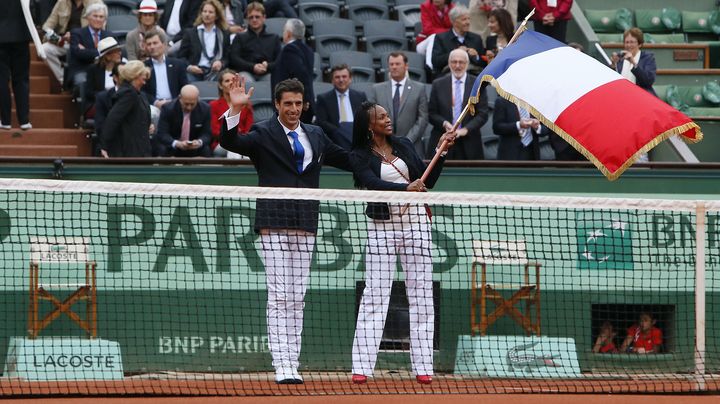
column 385, row 162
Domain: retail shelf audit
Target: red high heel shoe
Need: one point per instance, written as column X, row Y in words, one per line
column 359, row 379
column 423, row 379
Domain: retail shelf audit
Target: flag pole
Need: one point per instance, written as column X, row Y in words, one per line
column 443, row 145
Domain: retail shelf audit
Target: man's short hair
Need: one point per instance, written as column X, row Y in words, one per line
column 152, row 33
column 288, row 86
column 94, row 8
column 255, row 6
column 458, row 11
column 338, row 67
column 296, row 28
column 395, row 54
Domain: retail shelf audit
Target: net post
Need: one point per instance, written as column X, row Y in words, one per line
column 700, row 227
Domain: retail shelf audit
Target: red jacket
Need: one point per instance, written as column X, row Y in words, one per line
column 433, row 20
column 217, row 108
column 561, row 12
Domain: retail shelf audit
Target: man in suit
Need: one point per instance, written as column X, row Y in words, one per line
column 405, row 100
column 448, row 97
column 103, row 104
column 458, row 37
column 286, row 153
column 168, row 74
column 179, row 15
column 253, row 52
column 184, row 127
column 519, row 132
column 84, row 43
column 336, row 108
column 296, row 61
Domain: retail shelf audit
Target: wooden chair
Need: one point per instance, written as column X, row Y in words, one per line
column 526, row 291
column 83, row 291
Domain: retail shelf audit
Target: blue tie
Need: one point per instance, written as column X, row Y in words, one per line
column 457, row 101
column 299, row 151
column 526, row 134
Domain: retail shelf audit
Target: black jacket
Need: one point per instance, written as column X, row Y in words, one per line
column 447, row 42
column 296, row 61
column 505, row 118
column 171, row 119
column 80, row 59
column 192, row 47
column 188, row 12
column 12, row 27
column 125, row 131
column 176, row 75
column 366, row 168
column 249, row 48
column 328, row 115
column 267, row 146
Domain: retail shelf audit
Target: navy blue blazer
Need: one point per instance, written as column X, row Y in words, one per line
column 188, row 12
column 644, row 71
column 176, row 74
column 80, row 59
column 505, row 118
column 269, row 149
column 366, row 167
column 296, row 61
column 171, row 119
column 328, row 115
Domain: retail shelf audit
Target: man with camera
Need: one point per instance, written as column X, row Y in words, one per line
column 65, row 16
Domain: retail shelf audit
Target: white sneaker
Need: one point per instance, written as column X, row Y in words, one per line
column 5, row 127
column 287, row 376
column 26, row 126
column 296, row 375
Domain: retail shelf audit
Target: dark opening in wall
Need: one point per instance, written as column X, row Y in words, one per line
column 623, row 316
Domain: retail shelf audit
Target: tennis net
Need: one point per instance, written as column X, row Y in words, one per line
column 125, row 288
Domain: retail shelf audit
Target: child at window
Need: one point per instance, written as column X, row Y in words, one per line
column 644, row 337
column 605, row 342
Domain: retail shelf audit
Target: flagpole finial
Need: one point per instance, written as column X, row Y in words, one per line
column 522, row 27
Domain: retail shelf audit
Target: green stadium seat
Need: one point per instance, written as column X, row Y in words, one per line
column 611, row 38
column 609, row 21
column 702, row 111
column 658, row 20
column 696, row 21
column 665, row 38
column 661, row 91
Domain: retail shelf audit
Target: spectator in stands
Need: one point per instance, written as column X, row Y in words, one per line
column 448, row 97
column 336, row 108
column 405, row 100
column 234, row 11
column 169, row 73
column 15, row 63
column 148, row 16
column 287, row 227
column 576, row 46
column 66, row 15
column 84, row 43
column 385, row 162
column 178, row 15
column 253, row 52
column 184, row 128
column 126, row 131
column 634, row 64
column 459, row 37
column 103, row 104
column 205, row 46
column 219, row 107
column 551, row 17
column 605, row 342
column 296, row 61
column 519, row 132
column 281, row 8
column 644, row 337
column 502, row 29
column 99, row 75
column 435, row 19
column 480, row 11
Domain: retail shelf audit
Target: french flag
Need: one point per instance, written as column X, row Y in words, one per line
column 608, row 119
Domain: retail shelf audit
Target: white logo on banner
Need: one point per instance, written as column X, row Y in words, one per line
column 500, row 252
column 58, row 249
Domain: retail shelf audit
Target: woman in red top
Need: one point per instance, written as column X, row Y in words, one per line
column 644, row 337
column 434, row 15
column 551, row 17
column 219, row 107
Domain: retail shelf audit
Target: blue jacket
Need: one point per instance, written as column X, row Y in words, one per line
column 644, row 71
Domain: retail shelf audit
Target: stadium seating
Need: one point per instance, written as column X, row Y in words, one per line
column 382, row 36
column 365, row 87
column 320, row 87
column 361, row 11
column 408, row 13
column 310, row 11
column 275, row 25
column 334, row 35
column 262, row 100
column 658, row 20
column 121, row 24
column 208, row 90
column 121, row 7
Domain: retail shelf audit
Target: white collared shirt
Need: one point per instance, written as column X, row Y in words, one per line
column 210, row 38
column 394, row 87
column 173, row 26
column 461, row 38
column 233, row 121
column 627, row 68
column 162, row 86
column 345, row 104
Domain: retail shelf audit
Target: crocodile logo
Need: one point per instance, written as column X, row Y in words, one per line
column 517, row 360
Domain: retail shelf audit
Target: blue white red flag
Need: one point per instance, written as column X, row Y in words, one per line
column 608, row 119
